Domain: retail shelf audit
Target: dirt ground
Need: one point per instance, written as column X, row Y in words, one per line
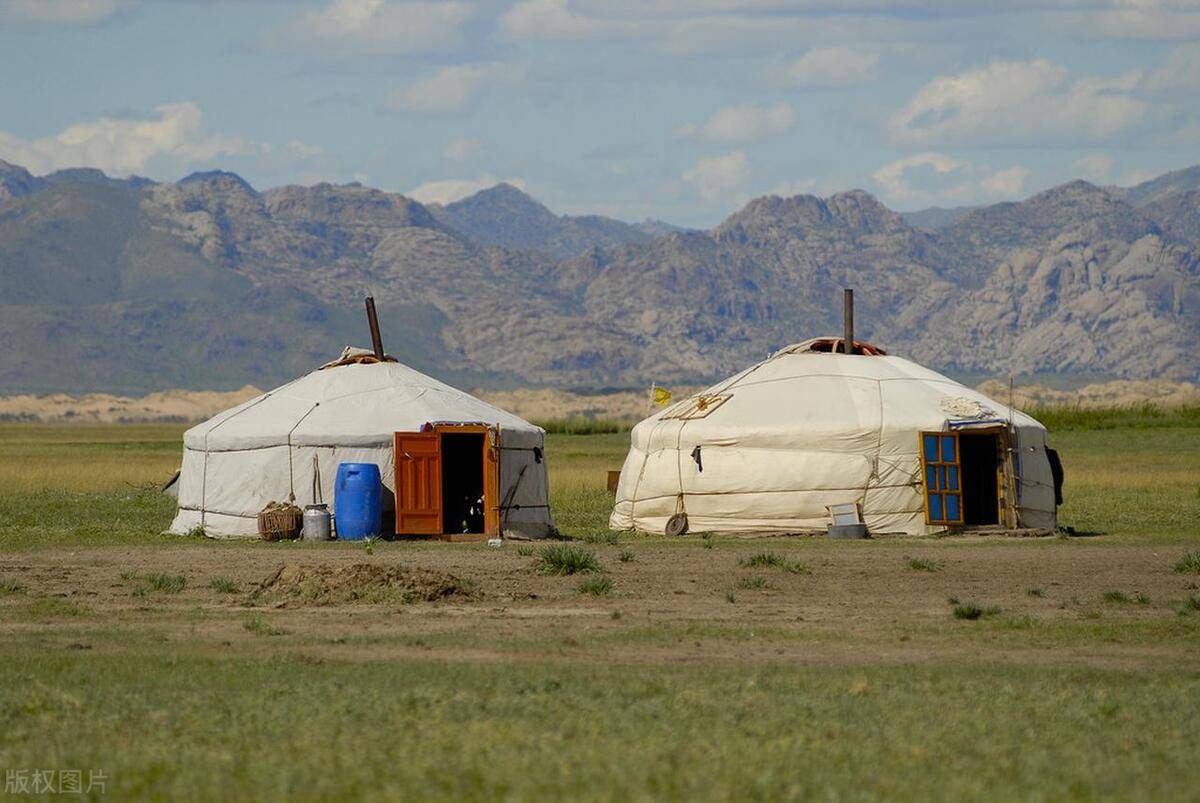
column 674, row 601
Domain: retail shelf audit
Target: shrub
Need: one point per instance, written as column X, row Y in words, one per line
column 567, row 559
column 259, row 626
column 973, row 610
column 224, row 585
column 730, row 597
column 1189, row 563
column 166, row 583
column 597, row 586
column 774, row 561
column 525, row 550
column 1188, row 606
column 1035, row 592
column 752, row 582
column 924, row 565
column 1117, row 596
column 626, row 556
column 10, row 587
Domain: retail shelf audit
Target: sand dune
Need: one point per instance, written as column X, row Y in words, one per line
column 538, row 404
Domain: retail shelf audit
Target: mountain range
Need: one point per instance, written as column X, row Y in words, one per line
column 130, row 285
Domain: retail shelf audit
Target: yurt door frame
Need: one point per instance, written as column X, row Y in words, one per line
column 953, row 502
column 427, row 465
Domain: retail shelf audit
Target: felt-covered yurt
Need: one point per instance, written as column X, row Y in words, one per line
column 773, row 448
column 451, row 464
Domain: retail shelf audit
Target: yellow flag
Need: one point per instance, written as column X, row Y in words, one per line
column 662, row 397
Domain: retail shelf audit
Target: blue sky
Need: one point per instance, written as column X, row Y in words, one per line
column 631, row 108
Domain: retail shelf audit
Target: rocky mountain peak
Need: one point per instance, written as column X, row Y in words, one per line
column 222, row 179
column 348, row 205
column 861, row 210
column 16, row 181
column 803, row 216
column 502, row 200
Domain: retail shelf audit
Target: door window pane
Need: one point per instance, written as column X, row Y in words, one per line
column 948, row 455
column 952, row 507
column 931, row 448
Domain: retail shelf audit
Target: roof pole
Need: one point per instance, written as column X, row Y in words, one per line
column 848, row 314
column 373, row 322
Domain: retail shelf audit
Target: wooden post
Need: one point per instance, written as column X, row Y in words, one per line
column 373, row 322
column 848, row 314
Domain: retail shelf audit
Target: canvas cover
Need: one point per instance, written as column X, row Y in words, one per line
column 803, row 430
column 263, row 450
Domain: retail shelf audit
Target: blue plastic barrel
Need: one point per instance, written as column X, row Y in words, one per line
column 358, row 501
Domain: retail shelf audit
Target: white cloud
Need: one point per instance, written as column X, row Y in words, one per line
column 1179, row 71
column 461, row 149
column 1095, row 167
column 717, row 176
column 829, row 67
column 747, row 123
column 453, row 89
column 449, row 190
column 376, row 27
column 935, row 178
column 554, row 20
column 62, row 12
column 1033, row 103
column 787, row 189
column 1006, row 183
column 116, row 145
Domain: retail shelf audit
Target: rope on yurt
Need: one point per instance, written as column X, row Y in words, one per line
column 291, row 475
column 209, row 431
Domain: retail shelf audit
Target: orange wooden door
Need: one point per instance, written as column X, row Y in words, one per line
column 491, row 483
column 418, row 483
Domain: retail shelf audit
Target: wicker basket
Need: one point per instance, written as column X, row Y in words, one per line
column 280, row 522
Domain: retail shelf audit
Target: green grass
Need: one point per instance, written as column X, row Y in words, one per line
column 1121, row 598
column 1189, row 563
column 924, row 565
column 155, row 581
column 584, row 426
column 259, row 626
column 1140, row 416
column 1189, row 605
column 627, row 556
column 566, row 559
column 236, row 708
column 973, row 610
column 598, row 586
column 202, row 727
column 8, row 586
column 774, row 561
column 223, row 585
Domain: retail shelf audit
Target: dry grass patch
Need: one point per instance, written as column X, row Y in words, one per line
column 359, row 583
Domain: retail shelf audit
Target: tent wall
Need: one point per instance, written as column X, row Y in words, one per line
column 800, row 432
column 223, row 491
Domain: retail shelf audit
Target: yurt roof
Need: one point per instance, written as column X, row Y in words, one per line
column 346, row 403
column 799, row 387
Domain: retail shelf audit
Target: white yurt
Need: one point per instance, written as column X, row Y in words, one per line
column 287, row 444
column 775, row 447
